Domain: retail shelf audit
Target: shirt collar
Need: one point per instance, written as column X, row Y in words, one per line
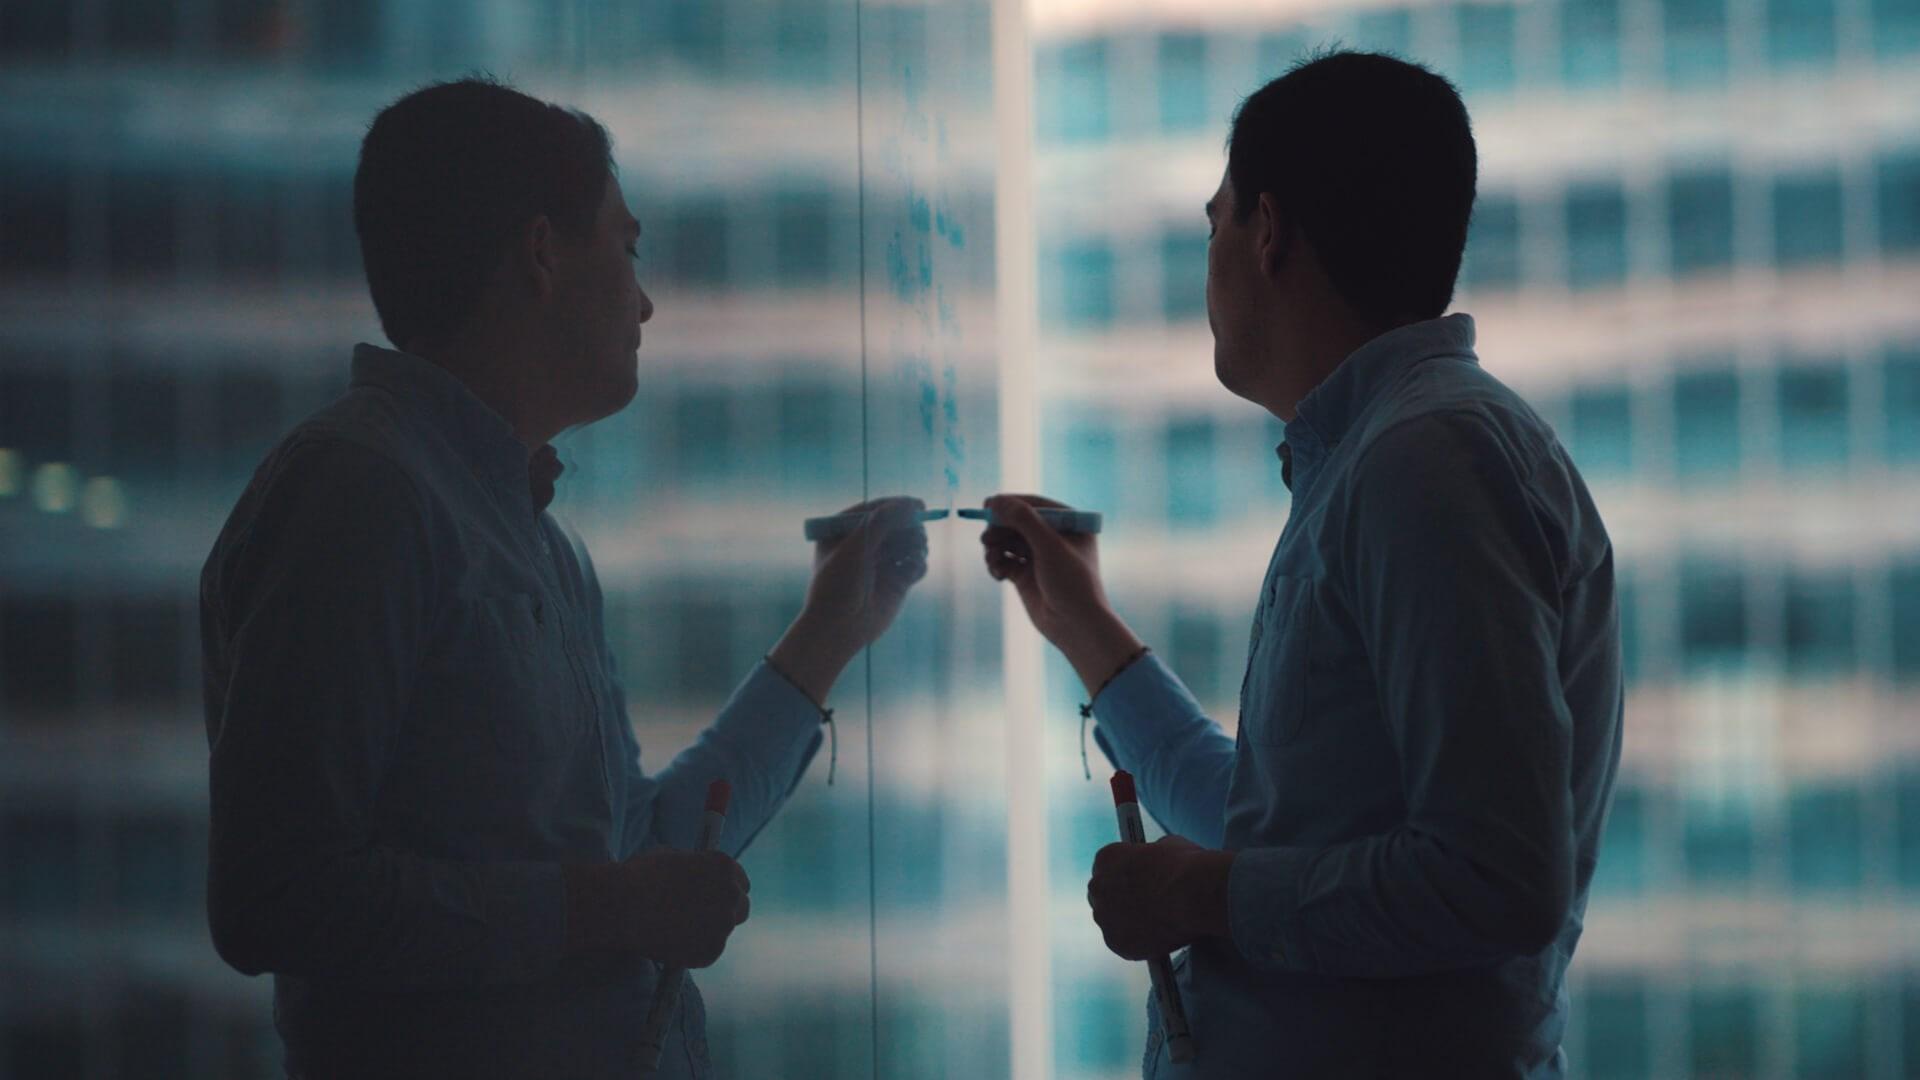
column 481, row 436
column 1330, row 409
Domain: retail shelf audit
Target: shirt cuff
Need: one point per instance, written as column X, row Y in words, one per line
column 1263, row 907
column 1133, row 710
column 767, row 711
column 527, row 906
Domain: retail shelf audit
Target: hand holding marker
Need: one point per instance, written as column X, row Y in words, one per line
column 1173, row 1014
column 835, row 526
column 666, row 995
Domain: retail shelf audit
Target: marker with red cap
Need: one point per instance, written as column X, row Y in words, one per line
column 666, row 995
column 1173, row 1014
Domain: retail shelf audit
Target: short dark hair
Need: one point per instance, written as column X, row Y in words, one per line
column 446, row 175
column 1372, row 157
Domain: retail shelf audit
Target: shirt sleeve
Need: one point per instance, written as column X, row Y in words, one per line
column 316, row 613
column 1151, row 726
column 761, row 743
column 1455, row 590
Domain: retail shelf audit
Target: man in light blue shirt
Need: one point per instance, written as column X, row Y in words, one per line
column 1383, row 873
column 429, row 819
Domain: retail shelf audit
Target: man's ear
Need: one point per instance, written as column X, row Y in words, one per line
column 1273, row 235
column 537, row 251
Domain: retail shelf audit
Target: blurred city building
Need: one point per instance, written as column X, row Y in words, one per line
column 1697, row 251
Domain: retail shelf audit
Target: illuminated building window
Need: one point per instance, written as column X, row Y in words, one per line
column 248, row 223
column 1807, row 219
column 41, row 659
column 1192, row 457
column 1493, row 244
column 1819, row 623
column 1718, row 844
column 1903, row 596
column 1900, row 400
column 1906, row 857
column 42, row 868
column 1279, row 52
column 142, row 227
column 1388, row 30
column 1830, row 1030
column 1085, row 467
column 36, row 413
column 1896, row 31
column 1077, row 292
column 703, row 640
column 1596, row 235
column 704, row 447
column 1800, row 32
column 803, row 235
column 1816, row 428
column 1590, row 42
column 155, row 866
column 693, row 237
column 1072, row 98
column 1897, row 185
column 1618, row 1041
column 1194, row 650
column 1706, row 423
column 36, row 215
column 1696, row 41
column 1183, row 273
column 1826, row 836
column 1623, row 848
column 1713, row 614
column 145, row 636
column 805, row 49
column 1486, row 48
column 1600, row 430
column 812, row 452
column 1627, row 598
column 1184, row 105
column 1723, row 1027
column 1084, row 1010
column 1700, row 220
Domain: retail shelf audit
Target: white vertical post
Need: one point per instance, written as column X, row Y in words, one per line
column 1029, row 995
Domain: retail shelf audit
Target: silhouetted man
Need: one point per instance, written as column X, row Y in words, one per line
column 1383, row 873
column 429, row 819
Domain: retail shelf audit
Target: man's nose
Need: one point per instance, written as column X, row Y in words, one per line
column 646, row 306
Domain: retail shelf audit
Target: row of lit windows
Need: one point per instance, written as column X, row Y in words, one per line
column 1180, row 82
column 690, row 642
column 1583, row 237
column 142, row 223
column 1816, row 415
column 1629, row 1027
column 793, row 43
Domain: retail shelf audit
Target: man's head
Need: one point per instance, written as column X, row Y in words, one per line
column 485, row 213
column 1342, row 213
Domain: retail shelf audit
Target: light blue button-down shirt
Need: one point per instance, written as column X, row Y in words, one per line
column 1429, row 730
column 415, row 720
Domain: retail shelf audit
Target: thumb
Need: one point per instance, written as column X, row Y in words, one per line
column 1017, row 514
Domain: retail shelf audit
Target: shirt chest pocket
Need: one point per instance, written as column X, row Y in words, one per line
column 1273, row 693
column 504, row 668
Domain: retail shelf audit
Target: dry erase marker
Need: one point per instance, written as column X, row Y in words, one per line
column 1173, row 1015
column 666, row 995
column 1062, row 521
column 835, row 526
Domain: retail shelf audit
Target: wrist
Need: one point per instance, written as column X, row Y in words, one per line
column 1099, row 651
column 1204, row 887
column 811, row 655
